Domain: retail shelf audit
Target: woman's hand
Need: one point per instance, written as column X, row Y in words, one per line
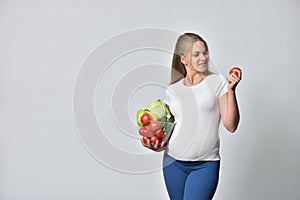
column 156, row 147
column 234, row 79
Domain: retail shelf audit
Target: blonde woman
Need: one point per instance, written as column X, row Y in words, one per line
column 199, row 101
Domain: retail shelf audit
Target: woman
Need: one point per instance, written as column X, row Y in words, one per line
column 199, row 100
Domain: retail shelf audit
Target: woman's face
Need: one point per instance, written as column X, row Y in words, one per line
column 198, row 57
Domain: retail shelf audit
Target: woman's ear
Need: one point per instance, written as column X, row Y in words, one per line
column 183, row 60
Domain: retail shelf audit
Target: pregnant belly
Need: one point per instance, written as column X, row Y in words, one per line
column 192, row 144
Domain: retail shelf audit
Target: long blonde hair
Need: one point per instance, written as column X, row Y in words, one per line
column 182, row 48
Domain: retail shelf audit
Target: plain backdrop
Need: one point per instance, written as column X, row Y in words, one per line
column 44, row 43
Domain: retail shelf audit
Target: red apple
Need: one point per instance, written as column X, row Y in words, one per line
column 234, row 70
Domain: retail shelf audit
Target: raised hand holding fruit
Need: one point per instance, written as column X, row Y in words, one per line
column 235, row 75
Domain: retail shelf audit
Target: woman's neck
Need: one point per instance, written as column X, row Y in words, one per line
column 194, row 78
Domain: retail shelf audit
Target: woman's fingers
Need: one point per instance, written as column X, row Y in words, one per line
column 148, row 143
column 142, row 141
column 237, row 76
column 234, row 79
column 240, row 74
column 156, row 147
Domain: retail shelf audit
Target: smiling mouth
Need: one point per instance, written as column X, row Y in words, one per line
column 202, row 64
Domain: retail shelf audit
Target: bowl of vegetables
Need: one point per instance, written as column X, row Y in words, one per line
column 156, row 123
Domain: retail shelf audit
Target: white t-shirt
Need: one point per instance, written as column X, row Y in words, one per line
column 196, row 111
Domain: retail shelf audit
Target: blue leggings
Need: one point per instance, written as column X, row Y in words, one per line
column 190, row 180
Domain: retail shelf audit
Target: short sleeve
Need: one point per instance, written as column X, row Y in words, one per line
column 222, row 86
column 171, row 99
column 167, row 97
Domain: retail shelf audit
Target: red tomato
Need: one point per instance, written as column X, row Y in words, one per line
column 145, row 139
column 153, row 139
column 146, row 119
column 142, row 130
column 147, row 133
column 159, row 134
column 234, row 70
column 154, row 126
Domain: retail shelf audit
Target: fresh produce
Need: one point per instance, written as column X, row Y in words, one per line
column 156, row 122
column 154, row 126
column 144, row 114
column 159, row 109
column 146, row 119
column 145, row 139
column 145, row 132
column 159, row 134
column 153, row 139
column 234, row 70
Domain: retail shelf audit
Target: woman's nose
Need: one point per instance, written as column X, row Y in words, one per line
column 203, row 56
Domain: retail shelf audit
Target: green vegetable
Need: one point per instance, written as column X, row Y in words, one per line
column 158, row 111
column 168, row 127
column 159, row 108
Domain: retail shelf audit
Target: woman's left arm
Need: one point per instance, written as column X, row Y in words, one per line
column 228, row 104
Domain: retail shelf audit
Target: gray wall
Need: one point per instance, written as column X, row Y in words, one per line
column 45, row 44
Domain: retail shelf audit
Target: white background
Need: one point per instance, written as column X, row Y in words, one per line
column 43, row 44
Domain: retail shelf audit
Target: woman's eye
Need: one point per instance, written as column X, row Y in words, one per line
column 205, row 53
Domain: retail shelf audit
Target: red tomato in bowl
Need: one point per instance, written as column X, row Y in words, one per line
column 154, row 126
column 153, row 139
column 147, row 133
column 159, row 134
column 145, row 139
column 146, row 119
column 142, row 130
